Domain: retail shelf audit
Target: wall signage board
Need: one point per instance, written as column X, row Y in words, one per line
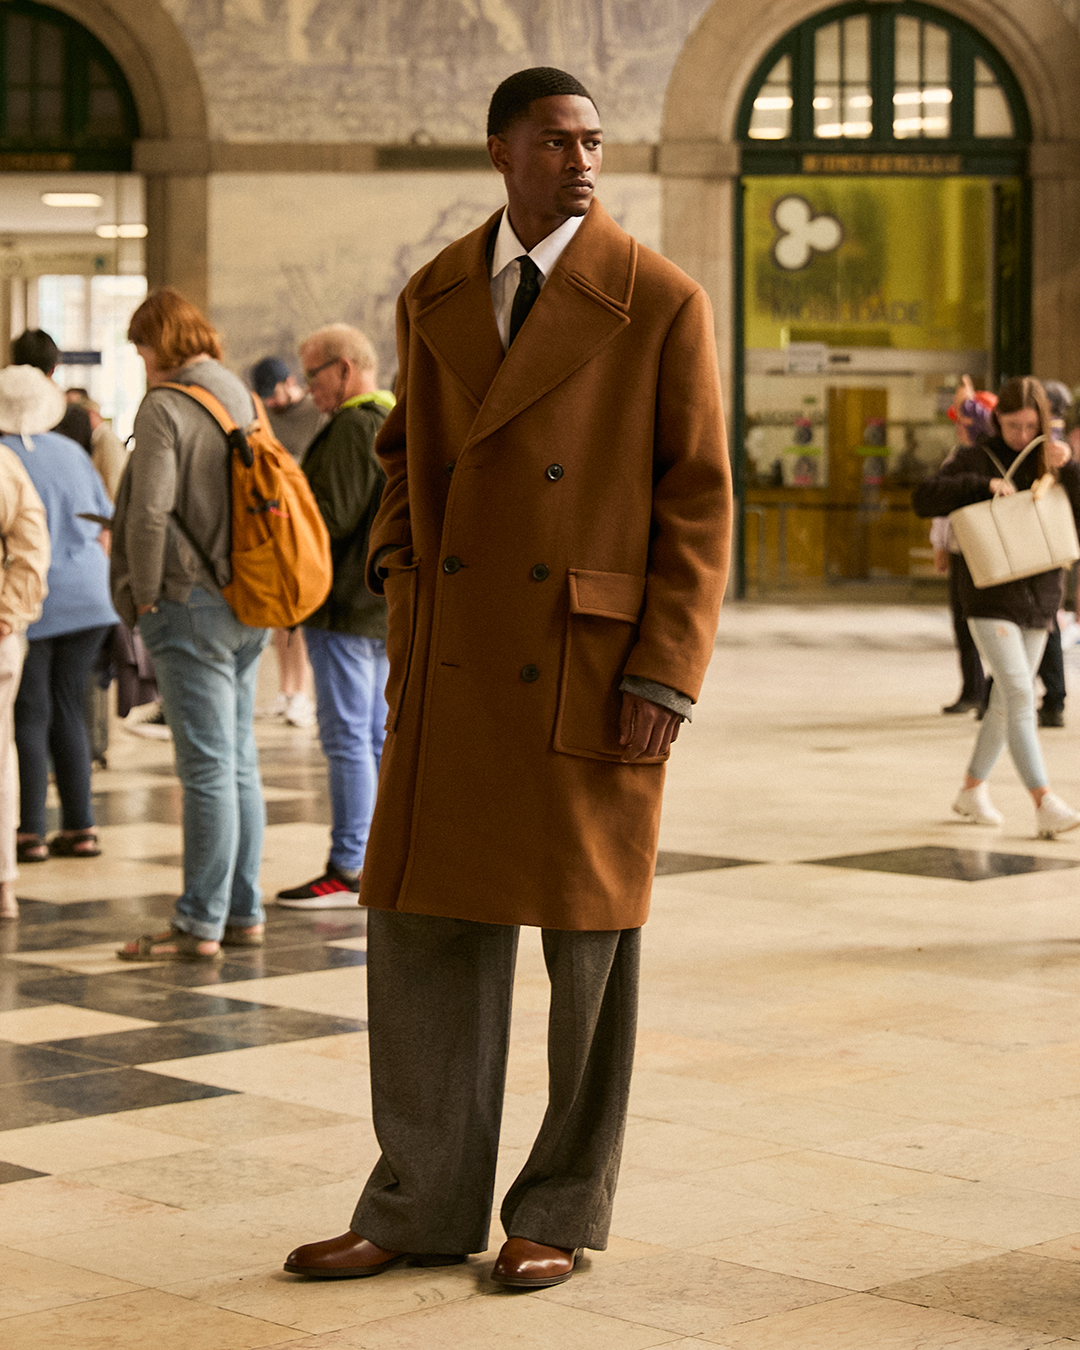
column 849, row 262
column 894, row 164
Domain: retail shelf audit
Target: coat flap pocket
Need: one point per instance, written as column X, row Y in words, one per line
column 611, row 595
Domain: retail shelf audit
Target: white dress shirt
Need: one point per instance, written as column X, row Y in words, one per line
column 506, row 270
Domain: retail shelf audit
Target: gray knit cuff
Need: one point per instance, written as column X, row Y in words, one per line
column 658, row 693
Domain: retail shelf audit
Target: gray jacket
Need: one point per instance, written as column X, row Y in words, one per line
column 180, row 463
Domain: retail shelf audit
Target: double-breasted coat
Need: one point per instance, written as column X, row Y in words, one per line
column 560, row 516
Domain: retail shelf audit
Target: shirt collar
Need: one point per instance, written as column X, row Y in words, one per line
column 508, row 247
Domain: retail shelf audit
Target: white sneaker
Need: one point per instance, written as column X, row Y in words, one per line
column 273, row 712
column 300, row 711
column 1053, row 817
column 974, row 804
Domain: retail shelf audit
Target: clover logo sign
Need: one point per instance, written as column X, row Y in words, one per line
column 802, row 234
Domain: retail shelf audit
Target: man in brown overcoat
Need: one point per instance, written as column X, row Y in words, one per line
column 553, row 546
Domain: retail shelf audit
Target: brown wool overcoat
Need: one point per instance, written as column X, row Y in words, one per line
column 561, row 516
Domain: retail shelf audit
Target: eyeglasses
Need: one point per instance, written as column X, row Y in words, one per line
column 309, row 375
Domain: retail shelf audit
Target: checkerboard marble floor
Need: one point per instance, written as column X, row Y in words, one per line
column 856, row 1111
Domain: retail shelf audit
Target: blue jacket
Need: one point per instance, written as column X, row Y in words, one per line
column 68, row 484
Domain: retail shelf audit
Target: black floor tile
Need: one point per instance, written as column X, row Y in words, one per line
column 150, row 1045
column 12, row 1172
column 669, row 864
column 95, row 1094
column 28, row 1063
column 243, row 965
column 289, row 927
column 131, row 996
column 952, row 864
column 312, row 810
column 130, row 909
column 316, row 956
column 136, row 806
column 274, row 1026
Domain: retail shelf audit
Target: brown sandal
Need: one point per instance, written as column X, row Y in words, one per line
column 32, row 849
column 184, row 947
column 243, row 937
column 83, row 844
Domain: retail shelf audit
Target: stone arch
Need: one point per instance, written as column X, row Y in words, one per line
column 700, row 162
column 173, row 151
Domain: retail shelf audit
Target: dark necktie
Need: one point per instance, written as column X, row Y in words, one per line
column 525, row 295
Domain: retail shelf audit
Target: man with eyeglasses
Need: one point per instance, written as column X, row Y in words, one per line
column 346, row 637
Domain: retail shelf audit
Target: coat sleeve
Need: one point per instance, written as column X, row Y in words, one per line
column 26, row 551
column 690, row 549
column 392, row 526
column 961, row 481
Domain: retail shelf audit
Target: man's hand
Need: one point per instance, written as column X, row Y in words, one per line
column 646, row 729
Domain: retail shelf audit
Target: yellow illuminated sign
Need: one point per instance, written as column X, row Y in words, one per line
column 848, row 262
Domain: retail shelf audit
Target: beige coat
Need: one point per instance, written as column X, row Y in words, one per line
column 24, row 532
column 561, row 517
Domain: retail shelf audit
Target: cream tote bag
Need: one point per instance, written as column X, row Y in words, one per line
column 1008, row 538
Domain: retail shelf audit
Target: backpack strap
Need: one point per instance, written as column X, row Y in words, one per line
column 217, row 410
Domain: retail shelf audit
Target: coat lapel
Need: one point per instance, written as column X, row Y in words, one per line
column 583, row 305
column 454, row 314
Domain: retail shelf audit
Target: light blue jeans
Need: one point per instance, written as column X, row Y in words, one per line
column 350, row 677
column 206, row 663
column 1013, row 655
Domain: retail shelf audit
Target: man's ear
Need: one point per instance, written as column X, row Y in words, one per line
column 498, row 151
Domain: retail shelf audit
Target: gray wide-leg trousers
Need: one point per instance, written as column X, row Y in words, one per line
column 439, row 997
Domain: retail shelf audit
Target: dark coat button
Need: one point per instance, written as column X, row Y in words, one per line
column 554, row 472
column 530, row 673
column 541, row 572
column 452, row 565
column 449, row 468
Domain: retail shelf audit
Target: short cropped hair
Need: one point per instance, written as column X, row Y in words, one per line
column 173, row 328
column 512, row 98
column 36, row 348
column 338, row 340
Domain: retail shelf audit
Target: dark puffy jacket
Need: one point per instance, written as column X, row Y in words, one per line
column 964, row 479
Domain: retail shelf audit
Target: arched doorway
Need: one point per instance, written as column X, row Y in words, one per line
column 884, row 253
column 104, row 159
column 701, row 158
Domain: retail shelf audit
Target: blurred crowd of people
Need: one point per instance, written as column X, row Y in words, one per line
column 114, row 560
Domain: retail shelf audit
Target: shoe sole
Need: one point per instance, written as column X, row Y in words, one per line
column 348, row 901
column 535, row 1282
column 365, row 1272
column 975, row 819
column 1061, row 829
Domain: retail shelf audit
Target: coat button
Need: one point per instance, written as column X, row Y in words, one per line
column 554, row 472
column 449, row 468
column 452, row 565
column 541, row 572
column 530, row 674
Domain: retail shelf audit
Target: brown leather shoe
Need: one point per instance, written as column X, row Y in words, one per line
column 530, row 1265
column 351, row 1257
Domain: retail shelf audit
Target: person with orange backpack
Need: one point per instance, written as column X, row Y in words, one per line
column 216, row 538
column 346, row 637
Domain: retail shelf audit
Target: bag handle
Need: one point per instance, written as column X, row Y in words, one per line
column 1019, row 458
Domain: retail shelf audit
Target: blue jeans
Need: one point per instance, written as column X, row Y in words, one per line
column 1013, row 655
column 206, row 663
column 350, row 676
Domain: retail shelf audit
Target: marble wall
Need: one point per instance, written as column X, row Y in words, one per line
column 290, row 252
column 395, row 70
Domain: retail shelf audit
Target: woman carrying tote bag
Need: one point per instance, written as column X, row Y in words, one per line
column 1009, row 622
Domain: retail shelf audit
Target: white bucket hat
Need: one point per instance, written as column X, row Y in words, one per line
column 29, row 402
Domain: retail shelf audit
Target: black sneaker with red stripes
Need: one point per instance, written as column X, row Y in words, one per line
column 333, row 890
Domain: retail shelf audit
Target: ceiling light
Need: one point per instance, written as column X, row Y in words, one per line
column 121, row 231
column 71, row 199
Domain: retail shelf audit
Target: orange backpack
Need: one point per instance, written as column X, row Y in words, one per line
column 281, row 565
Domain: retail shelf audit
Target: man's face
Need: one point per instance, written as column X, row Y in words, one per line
column 325, row 378
column 549, row 160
